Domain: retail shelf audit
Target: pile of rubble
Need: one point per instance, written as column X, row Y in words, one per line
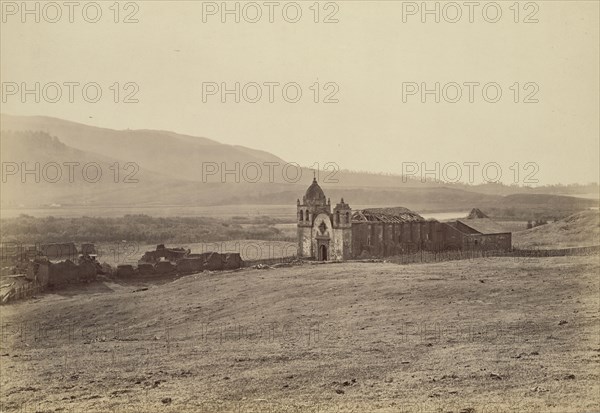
column 179, row 261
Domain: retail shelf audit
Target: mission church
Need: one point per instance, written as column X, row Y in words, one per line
column 340, row 234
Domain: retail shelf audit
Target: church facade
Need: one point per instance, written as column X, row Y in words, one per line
column 323, row 234
column 339, row 233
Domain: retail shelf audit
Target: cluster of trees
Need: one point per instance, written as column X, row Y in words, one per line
column 142, row 228
column 533, row 215
column 536, row 223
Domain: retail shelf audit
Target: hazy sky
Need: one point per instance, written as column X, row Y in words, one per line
column 370, row 55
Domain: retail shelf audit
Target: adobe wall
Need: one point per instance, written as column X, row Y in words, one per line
column 166, row 253
column 64, row 272
column 39, row 272
column 341, row 244
column 190, row 263
column 186, row 265
column 475, row 240
column 453, row 239
column 489, row 242
column 59, row 250
column 304, row 241
column 386, row 239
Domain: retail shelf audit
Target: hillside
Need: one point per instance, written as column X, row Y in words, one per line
column 158, row 187
column 169, row 168
column 131, row 185
column 440, row 198
column 418, row 199
column 175, row 155
column 70, row 176
column 578, row 230
column 492, row 335
column 159, row 150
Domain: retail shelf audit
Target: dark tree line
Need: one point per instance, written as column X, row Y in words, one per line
column 142, row 228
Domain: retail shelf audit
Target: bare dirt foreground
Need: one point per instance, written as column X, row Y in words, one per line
column 489, row 335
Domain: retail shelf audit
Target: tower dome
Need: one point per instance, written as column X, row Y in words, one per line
column 314, row 194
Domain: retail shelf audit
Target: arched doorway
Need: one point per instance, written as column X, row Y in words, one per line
column 323, row 253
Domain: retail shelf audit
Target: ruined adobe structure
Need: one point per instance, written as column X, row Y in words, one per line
column 170, row 260
column 29, row 272
column 327, row 234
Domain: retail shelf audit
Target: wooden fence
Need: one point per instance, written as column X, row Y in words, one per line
column 555, row 252
column 22, row 291
column 439, row 256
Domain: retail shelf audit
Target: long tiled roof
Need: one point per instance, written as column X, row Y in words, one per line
column 393, row 215
column 483, row 225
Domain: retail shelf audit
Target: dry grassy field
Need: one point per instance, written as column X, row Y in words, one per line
column 488, row 335
column 577, row 230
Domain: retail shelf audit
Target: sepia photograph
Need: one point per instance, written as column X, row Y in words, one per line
column 351, row 206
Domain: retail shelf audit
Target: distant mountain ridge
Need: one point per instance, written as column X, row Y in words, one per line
column 181, row 156
column 167, row 153
column 170, row 172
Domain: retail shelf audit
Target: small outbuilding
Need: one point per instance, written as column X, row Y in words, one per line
column 484, row 234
